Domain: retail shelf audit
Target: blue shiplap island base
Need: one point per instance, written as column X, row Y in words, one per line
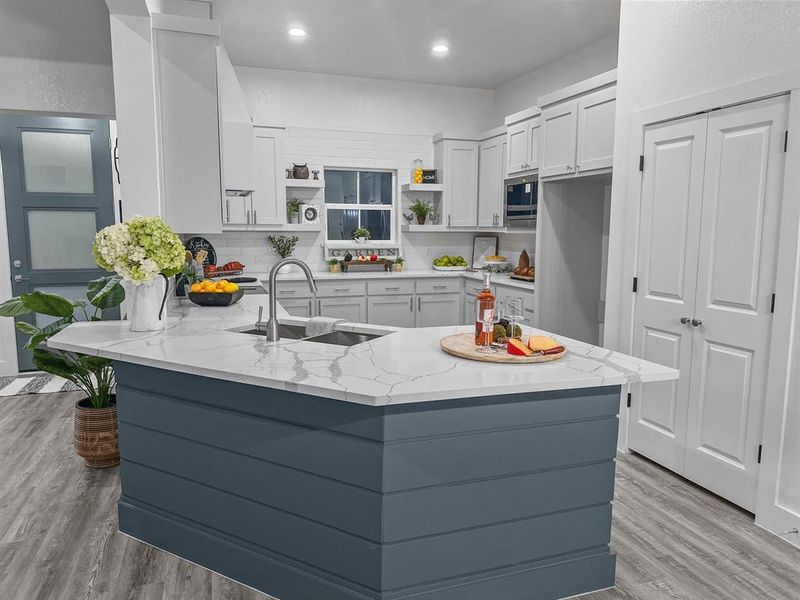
column 307, row 498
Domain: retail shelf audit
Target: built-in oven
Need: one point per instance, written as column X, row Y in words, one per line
column 522, row 195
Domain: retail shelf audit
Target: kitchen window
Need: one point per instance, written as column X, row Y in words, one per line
column 359, row 199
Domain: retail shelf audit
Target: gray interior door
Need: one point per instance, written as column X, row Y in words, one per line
column 58, row 193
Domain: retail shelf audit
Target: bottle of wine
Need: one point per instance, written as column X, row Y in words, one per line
column 485, row 300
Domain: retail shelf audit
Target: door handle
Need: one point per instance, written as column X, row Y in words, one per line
column 696, row 322
column 248, row 217
column 255, row 216
column 685, row 320
column 20, row 278
column 310, row 308
column 411, row 304
column 419, row 304
column 448, row 220
column 116, row 158
column 228, row 210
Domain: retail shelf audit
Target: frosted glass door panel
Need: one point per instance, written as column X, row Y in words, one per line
column 61, row 239
column 57, row 162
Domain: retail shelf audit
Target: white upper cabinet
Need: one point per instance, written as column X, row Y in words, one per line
column 595, row 148
column 490, row 182
column 559, row 139
column 522, row 137
column 237, row 128
column 577, row 133
column 188, row 129
column 457, row 161
column 269, row 192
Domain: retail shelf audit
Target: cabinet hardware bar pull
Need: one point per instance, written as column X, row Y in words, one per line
column 310, row 308
column 419, row 303
column 248, row 217
column 341, row 289
column 411, row 304
column 255, row 216
column 228, row 210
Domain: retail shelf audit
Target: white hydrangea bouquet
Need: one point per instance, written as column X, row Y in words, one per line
column 139, row 250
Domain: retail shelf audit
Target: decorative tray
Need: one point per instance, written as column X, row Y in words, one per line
column 435, row 268
column 463, row 346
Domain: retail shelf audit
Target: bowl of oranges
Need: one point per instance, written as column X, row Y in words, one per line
column 215, row 293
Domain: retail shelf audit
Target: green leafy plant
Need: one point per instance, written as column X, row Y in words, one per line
column 292, row 207
column 92, row 374
column 283, row 244
column 361, row 232
column 421, row 209
column 399, row 260
column 333, row 262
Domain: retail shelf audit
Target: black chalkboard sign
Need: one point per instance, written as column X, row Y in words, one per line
column 198, row 243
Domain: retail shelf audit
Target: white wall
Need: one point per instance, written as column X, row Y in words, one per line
column 56, row 57
column 298, row 99
column 599, row 57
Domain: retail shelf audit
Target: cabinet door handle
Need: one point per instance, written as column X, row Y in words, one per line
column 685, row 320
column 310, row 308
column 319, row 308
column 392, row 288
column 255, row 216
column 448, row 220
column 440, row 287
column 228, row 210
column 696, row 322
column 248, row 216
column 419, row 303
column 411, row 304
column 341, row 289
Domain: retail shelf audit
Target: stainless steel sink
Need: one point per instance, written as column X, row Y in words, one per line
column 291, row 332
column 343, row 338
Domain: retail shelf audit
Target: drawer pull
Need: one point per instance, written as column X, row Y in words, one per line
column 341, row 289
column 282, row 292
column 392, row 288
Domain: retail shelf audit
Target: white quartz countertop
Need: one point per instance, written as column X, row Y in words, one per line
column 406, row 365
column 497, row 278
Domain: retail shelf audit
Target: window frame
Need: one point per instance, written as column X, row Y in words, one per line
column 391, row 208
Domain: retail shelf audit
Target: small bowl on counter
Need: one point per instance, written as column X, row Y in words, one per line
column 216, row 298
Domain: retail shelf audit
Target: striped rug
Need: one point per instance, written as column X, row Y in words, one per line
column 37, row 383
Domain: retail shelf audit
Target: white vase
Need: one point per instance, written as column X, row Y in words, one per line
column 144, row 304
column 361, row 240
column 286, row 269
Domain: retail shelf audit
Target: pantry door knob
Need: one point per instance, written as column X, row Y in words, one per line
column 685, row 320
column 696, row 322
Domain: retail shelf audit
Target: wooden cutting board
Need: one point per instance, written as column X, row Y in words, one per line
column 463, row 346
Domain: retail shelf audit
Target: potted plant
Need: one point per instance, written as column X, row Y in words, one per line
column 334, row 266
column 95, row 435
column 144, row 252
column 283, row 245
column 421, row 210
column 398, row 263
column 293, row 210
column 361, row 234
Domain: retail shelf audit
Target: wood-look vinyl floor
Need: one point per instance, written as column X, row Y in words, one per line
column 59, row 539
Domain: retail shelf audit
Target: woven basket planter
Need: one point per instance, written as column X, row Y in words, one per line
column 96, row 438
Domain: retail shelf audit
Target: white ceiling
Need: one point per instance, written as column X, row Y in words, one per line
column 491, row 41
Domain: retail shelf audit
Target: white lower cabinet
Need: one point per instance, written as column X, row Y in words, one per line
column 298, row 307
column 396, row 311
column 437, row 310
column 503, row 293
column 348, row 308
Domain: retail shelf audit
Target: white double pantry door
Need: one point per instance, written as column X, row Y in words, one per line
column 708, row 241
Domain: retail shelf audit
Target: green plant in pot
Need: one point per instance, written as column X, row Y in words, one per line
column 421, row 210
column 283, row 245
column 96, row 414
column 334, row 266
column 293, row 210
column 398, row 263
column 361, row 234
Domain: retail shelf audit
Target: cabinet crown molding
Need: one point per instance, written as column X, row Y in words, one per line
column 523, row 115
column 602, row 80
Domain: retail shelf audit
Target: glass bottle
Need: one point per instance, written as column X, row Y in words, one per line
column 416, row 172
column 485, row 299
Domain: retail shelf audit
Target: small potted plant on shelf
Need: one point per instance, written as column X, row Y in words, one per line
column 293, row 210
column 421, row 210
column 334, row 266
column 283, row 245
column 361, row 235
column 398, row 263
column 95, row 435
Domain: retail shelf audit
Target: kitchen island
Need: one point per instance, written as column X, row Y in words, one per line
column 385, row 469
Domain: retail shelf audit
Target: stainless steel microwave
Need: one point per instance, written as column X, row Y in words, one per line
column 521, row 202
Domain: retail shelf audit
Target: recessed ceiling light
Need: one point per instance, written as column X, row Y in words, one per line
column 440, row 49
column 297, row 32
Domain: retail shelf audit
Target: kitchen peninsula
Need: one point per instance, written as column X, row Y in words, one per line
column 385, row 469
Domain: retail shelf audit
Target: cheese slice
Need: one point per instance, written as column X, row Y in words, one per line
column 540, row 343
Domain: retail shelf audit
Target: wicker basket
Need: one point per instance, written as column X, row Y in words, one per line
column 96, row 438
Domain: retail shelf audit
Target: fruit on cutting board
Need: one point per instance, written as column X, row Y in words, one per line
column 517, row 348
column 215, row 287
column 542, row 343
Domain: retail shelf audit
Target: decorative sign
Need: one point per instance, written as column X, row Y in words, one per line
column 198, row 243
column 365, row 251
